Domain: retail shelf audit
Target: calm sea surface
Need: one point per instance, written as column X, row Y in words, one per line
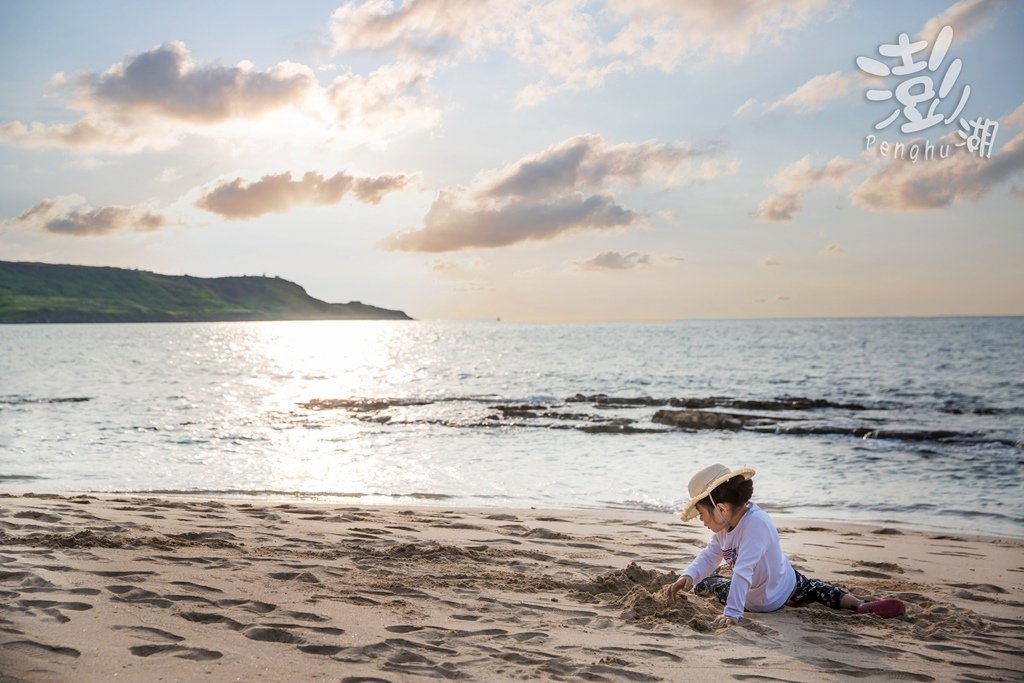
column 910, row 422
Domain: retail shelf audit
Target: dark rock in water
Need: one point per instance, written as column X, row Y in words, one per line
column 606, row 400
column 779, row 403
column 699, row 419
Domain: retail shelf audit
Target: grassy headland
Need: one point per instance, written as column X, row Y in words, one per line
column 49, row 293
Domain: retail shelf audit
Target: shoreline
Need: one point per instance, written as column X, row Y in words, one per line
column 778, row 513
column 183, row 588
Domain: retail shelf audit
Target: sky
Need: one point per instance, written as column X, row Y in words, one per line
column 625, row 160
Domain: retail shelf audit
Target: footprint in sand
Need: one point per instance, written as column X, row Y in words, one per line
column 40, row 650
column 191, row 653
column 304, row 577
column 154, row 635
column 138, row 595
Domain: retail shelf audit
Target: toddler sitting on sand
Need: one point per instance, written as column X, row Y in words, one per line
column 745, row 537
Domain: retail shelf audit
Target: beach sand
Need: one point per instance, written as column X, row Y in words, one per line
column 140, row 589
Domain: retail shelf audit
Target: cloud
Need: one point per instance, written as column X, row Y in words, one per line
column 575, row 45
column 833, row 250
column 275, row 193
column 169, row 175
column 424, row 28
column 814, row 94
column 778, row 208
column 153, row 99
column 967, row 18
column 165, row 82
column 587, row 161
column 561, row 190
column 769, row 261
column 750, row 103
column 905, row 186
column 613, row 260
column 87, row 133
column 70, row 215
column 450, row 225
column 798, row 177
column 394, row 99
column 1014, row 118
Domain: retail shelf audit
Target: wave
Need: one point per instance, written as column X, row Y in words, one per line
column 274, row 493
column 24, row 400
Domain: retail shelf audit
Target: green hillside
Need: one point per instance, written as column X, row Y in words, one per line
column 47, row 293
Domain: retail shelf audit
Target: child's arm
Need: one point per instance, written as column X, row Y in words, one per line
column 701, row 567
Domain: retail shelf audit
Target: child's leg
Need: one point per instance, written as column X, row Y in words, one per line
column 714, row 585
column 812, row 590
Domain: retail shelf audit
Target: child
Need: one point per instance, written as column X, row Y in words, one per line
column 744, row 535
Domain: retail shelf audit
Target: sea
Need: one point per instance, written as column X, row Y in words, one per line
column 901, row 422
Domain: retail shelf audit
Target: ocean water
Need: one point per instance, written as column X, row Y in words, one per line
column 905, row 422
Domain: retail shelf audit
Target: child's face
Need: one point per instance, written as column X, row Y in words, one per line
column 712, row 520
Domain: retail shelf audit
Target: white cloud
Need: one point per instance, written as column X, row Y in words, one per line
column 833, row 250
column 769, row 261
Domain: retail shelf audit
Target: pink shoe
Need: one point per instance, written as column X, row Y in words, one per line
column 886, row 608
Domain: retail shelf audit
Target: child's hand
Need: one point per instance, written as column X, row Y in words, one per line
column 722, row 621
column 683, row 583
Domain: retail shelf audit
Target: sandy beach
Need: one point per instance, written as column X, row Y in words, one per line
column 141, row 589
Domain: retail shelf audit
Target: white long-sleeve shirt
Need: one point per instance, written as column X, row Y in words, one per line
column 762, row 578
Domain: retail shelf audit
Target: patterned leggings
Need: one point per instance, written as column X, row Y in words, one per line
column 807, row 590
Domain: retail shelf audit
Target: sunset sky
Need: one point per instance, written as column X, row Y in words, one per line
column 534, row 161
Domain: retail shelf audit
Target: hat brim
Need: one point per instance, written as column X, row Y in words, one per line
column 690, row 509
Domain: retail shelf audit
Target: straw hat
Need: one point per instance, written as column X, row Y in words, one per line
column 705, row 481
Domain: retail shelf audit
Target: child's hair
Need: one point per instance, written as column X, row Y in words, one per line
column 736, row 491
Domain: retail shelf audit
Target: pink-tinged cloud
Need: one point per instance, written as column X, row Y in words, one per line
column 833, row 250
column 801, row 175
column 576, row 45
column 562, row 190
column 818, row 91
column 275, row 193
column 967, row 18
column 154, row 99
column 451, row 225
column 87, row 133
column 587, row 161
column 964, row 176
column 166, row 82
column 613, row 260
column 778, row 208
column 71, row 216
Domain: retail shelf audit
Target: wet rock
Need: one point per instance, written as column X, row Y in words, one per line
column 699, row 419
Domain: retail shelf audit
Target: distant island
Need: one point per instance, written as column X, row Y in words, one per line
column 50, row 293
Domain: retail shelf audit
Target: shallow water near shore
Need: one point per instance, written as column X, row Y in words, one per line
column 910, row 422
